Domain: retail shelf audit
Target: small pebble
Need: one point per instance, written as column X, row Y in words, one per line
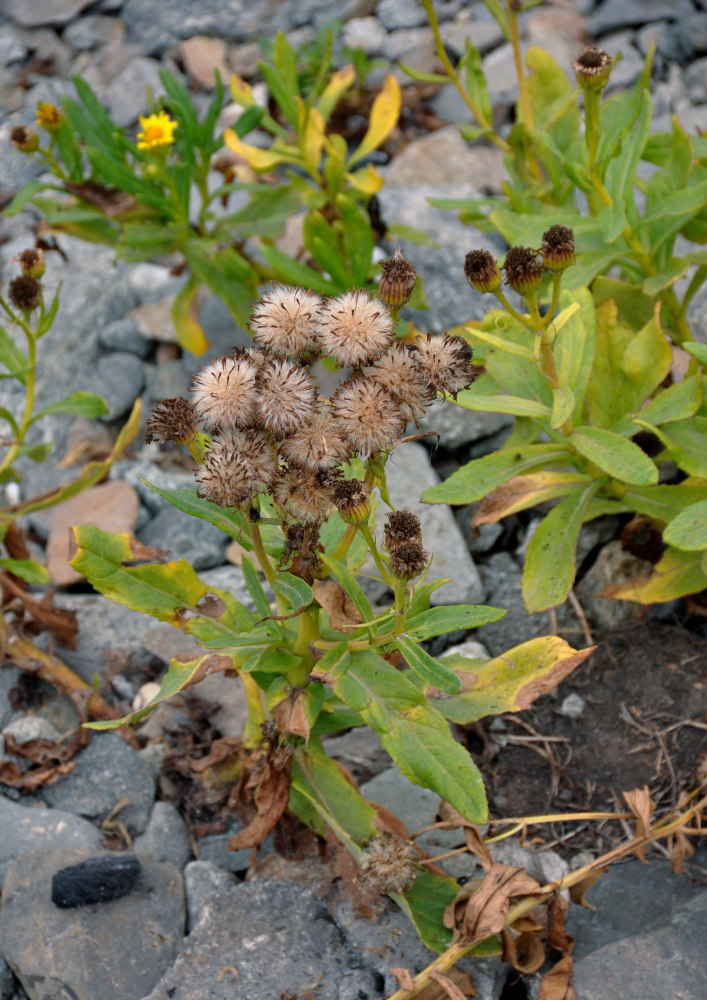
column 98, row 880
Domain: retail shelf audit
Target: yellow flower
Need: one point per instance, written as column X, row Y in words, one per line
column 157, row 130
column 49, row 116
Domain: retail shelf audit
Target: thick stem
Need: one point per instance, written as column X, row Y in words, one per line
column 591, row 126
column 253, row 730
column 260, row 553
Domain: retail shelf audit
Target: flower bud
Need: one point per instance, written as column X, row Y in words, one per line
column 49, row 116
column 25, row 292
column 592, row 69
column 398, row 279
column 352, row 500
column 558, row 248
column 482, row 271
column 524, row 271
column 24, row 139
column 31, row 261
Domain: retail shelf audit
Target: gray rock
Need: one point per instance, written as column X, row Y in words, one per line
column 288, row 941
column 126, row 96
column 12, row 48
column 156, row 27
column 106, row 771
column 484, row 34
column 166, row 837
column 199, row 542
column 221, row 332
column 451, row 107
column 26, row 828
column 213, row 848
column 165, row 381
column 696, row 81
column 365, row 33
column 152, row 282
column 400, row 14
column 96, row 952
column 612, row 565
column 502, row 578
column 123, row 335
column 499, row 69
column 632, row 13
column 25, row 728
column 32, row 13
column 201, row 879
column 481, row 539
column 360, row 751
column 9, row 678
column 17, row 168
column 89, row 32
column 398, row 43
column 457, row 426
column 119, row 378
column 544, row 866
column 572, row 706
column 165, row 479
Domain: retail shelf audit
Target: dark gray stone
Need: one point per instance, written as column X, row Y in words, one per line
column 166, row 837
column 24, row 829
column 95, row 880
column 221, row 332
column 360, row 751
column 457, row 426
column 695, row 80
column 119, row 378
column 98, row 952
column 201, row 879
column 633, row 13
column 135, row 472
column 124, row 335
column 106, row 771
column 400, row 14
column 89, row 32
column 32, row 13
column 125, row 98
column 199, row 542
column 156, row 27
column 214, row 850
column 167, row 380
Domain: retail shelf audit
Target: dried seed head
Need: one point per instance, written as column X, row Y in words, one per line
column 408, row 560
column 446, row 362
column 592, row 69
column 352, row 500
column 236, row 468
column 558, row 248
column 24, row 139
column 402, row 526
column 388, row 863
column 285, row 320
column 399, row 373
column 397, row 280
column 318, row 444
column 303, row 495
column 287, row 397
column 31, row 261
column 224, row 392
column 171, row 420
column 524, row 269
column 354, row 328
column 368, row 416
column 25, row 292
column 482, row 271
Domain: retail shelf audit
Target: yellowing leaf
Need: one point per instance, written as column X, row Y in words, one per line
column 337, row 86
column 522, row 492
column 313, row 140
column 384, row 114
column 677, row 574
column 241, row 92
column 367, row 179
column 261, row 160
column 185, row 316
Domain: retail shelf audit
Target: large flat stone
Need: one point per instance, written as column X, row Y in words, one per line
column 24, row 829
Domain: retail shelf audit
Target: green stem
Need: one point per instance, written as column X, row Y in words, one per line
column 371, row 542
column 556, row 284
column 253, row 729
column 532, row 159
column 509, row 308
column 591, row 126
column 29, row 399
column 260, row 553
column 400, row 591
column 53, row 163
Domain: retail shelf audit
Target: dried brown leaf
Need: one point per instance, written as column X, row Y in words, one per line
column 270, row 780
column 556, row 983
column 475, row 844
column 487, row 910
column 343, row 613
column 291, row 717
column 403, row 978
column 558, row 940
column 111, row 201
column 641, row 805
column 460, row 980
column 578, row 890
column 523, row 951
column 449, row 988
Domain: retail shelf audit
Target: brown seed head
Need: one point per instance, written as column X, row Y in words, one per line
column 24, row 139
column 224, row 392
column 524, row 270
column 354, row 328
column 352, row 499
column 398, row 279
column 31, row 261
column 592, row 69
column 482, row 271
column 367, row 414
column 285, row 320
column 408, row 560
column 171, row 420
column 304, row 496
column 388, row 864
column 558, row 248
column 399, row 373
column 237, row 467
column 402, row 526
column 287, row 397
column 25, row 292
column 446, row 363
column 318, row 444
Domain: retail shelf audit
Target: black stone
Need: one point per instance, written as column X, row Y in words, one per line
column 98, row 880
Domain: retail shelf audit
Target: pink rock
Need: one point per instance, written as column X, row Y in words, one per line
column 202, row 55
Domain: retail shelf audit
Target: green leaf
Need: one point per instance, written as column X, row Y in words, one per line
column 427, row 667
column 503, row 404
column 6, row 415
column 294, row 590
column 550, row 563
column 663, row 502
column 698, row 351
column 673, row 270
column 562, row 406
column 509, row 346
column 476, row 81
column 26, row 194
column 474, row 480
column 12, row 357
column 411, row 235
column 634, row 309
column 688, row 531
column 450, row 618
column 621, row 170
column 687, row 442
column 500, row 15
column 677, row 402
column 294, row 272
column 27, row 570
column 425, row 902
column 255, row 588
column 226, row 272
column 321, row 242
column 37, row 452
column 81, row 404
column 620, row 458
column 358, row 239
column 421, row 75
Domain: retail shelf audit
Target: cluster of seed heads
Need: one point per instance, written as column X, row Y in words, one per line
column 388, row 863
column 524, row 267
column 271, row 430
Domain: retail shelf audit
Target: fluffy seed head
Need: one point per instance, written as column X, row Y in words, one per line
column 352, row 500
column 388, row 864
column 24, row 139
column 446, row 362
column 368, row 416
column 355, row 327
column 408, row 560
column 558, row 248
column 171, row 420
column 399, row 373
column 482, row 271
column 592, row 69
column 285, row 320
column 287, row 397
column 318, row 444
column 402, row 526
column 24, row 292
column 224, row 392
column 303, row 495
column 398, row 279
column 236, row 468
column 31, row 261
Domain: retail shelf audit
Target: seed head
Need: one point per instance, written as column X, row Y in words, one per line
column 224, row 392
column 446, row 363
column 354, row 328
column 402, row 526
column 367, row 414
column 592, row 69
column 408, row 560
column 397, row 280
column 24, row 139
column 49, row 116
column 399, row 373
column 303, row 495
column 31, row 261
column 25, row 292
column 524, row 270
column 287, row 397
column 558, row 248
column 482, row 271
column 285, row 320
column 236, row 468
column 388, row 863
column 352, row 500
column 171, row 420
column 318, row 444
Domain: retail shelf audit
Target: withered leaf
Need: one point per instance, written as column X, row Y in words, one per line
column 14, row 542
column 524, row 951
column 52, row 757
column 487, row 910
column 215, row 663
column 558, row 940
column 271, row 795
column 641, row 805
column 211, row 606
column 556, row 983
column 578, row 890
column 111, row 201
column 290, row 715
column 403, row 978
column 475, row 844
column 343, row 613
column 223, row 750
column 449, row 988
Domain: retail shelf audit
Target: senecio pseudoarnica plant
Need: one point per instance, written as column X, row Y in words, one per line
column 293, row 477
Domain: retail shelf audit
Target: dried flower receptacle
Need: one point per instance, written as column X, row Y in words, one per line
column 397, row 281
